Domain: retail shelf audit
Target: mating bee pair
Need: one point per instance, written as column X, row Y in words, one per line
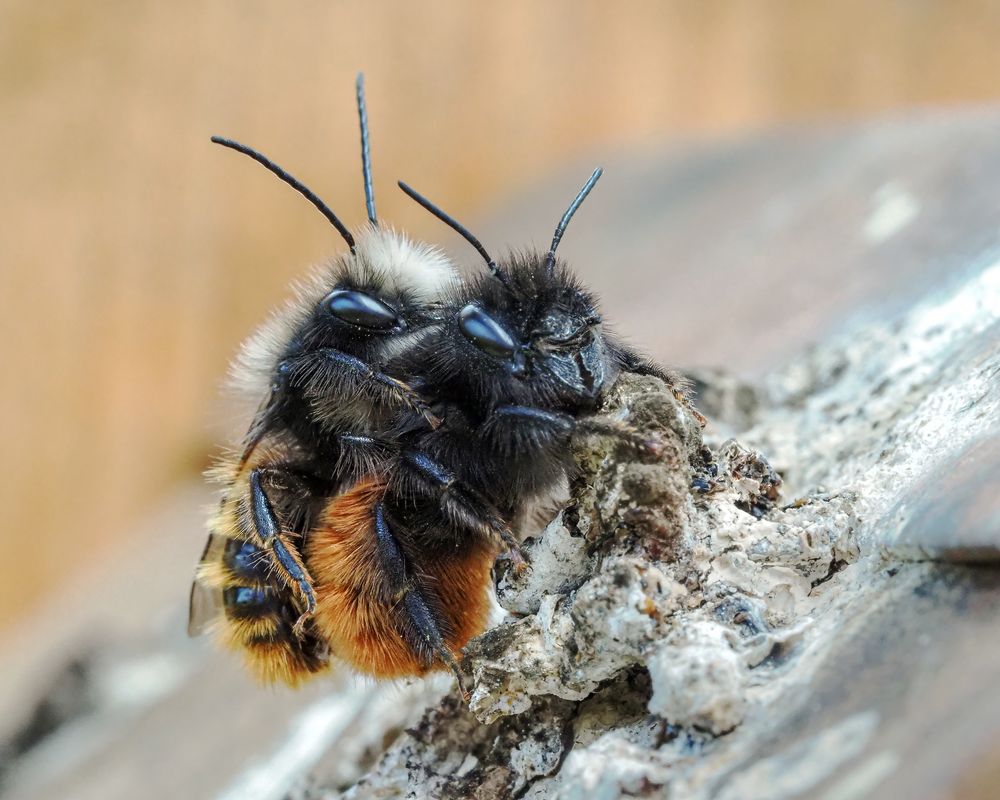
column 408, row 417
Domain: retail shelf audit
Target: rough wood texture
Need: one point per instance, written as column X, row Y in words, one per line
column 815, row 656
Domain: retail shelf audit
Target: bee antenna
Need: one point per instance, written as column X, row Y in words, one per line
column 296, row 184
column 550, row 258
column 366, row 154
column 455, row 225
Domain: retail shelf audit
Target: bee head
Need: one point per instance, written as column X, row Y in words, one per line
column 537, row 337
column 390, row 285
column 529, row 327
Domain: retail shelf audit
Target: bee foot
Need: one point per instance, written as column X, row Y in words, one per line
column 466, row 696
column 299, row 628
column 519, row 562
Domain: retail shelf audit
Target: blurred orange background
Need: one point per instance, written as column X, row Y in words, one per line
column 136, row 255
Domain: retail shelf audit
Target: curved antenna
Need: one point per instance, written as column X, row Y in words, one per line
column 296, row 184
column 366, row 155
column 550, row 259
column 455, row 225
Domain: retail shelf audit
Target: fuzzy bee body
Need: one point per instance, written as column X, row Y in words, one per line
column 319, row 433
column 407, row 418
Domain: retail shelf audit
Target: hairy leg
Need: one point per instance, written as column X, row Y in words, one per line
column 284, row 557
column 462, row 505
column 329, row 374
column 524, row 428
column 406, row 591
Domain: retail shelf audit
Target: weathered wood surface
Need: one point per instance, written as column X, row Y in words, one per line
column 743, row 257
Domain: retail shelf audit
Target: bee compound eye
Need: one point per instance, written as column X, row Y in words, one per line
column 485, row 332
column 361, row 309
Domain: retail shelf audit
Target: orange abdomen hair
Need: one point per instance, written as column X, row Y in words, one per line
column 356, row 610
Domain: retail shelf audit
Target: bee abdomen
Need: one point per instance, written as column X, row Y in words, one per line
column 254, row 614
column 356, row 610
column 230, row 562
column 246, row 563
column 249, row 602
column 258, row 623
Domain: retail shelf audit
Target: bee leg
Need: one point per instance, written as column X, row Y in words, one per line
column 332, row 367
column 283, row 555
column 406, row 591
column 518, row 560
column 616, row 429
column 362, row 455
column 638, row 365
column 462, row 504
column 678, row 383
column 552, row 428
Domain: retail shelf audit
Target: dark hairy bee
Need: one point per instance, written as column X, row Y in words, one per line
column 317, row 368
column 408, row 418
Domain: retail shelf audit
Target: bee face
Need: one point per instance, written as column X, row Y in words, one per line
column 577, row 365
column 540, row 338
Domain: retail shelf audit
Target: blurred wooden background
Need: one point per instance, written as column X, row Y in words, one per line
column 136, row 255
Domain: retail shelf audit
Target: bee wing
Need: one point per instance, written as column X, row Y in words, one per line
column 206, row 605
column 206, row 600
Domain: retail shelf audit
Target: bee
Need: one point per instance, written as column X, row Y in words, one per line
column 318, row 366
column 409, row 418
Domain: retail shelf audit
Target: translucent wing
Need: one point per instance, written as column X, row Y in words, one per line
column 206, row 600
